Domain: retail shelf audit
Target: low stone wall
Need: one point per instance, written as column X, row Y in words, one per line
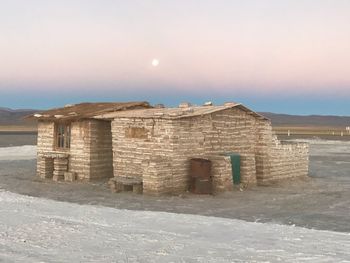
column 281, row 160
column 287, row 161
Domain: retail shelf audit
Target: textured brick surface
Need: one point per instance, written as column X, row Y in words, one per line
column 158, row 150
column 89, row 155
column 161, row 156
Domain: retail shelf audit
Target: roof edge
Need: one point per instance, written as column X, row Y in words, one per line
column 111, row 116
column 84, row 111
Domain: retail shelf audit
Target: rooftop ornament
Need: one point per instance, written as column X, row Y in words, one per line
column 185, row 105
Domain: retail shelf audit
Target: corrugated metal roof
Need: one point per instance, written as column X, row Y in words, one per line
column 87, row 110
column 175, row 113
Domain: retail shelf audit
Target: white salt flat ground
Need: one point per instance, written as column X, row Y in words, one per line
column 39, row 230
column 34, row 229
column 25, row 152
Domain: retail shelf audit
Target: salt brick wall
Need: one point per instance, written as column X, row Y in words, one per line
column 90, row 153
column 221, row 172
column 230, row 130
column 91, row 149
column 45, row 136
column 148, row 157
column 45, row 142
column 162, row 156
column 158, row 177
column 100, row 149
column 277, row 160
column 79, row 160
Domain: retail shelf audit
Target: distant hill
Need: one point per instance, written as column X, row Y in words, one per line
column 15, row 117
column 311, row 120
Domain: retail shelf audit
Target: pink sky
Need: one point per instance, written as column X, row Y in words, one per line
column 246, row 47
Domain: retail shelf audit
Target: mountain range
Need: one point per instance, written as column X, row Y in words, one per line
column 15, row 117
column 308, row 120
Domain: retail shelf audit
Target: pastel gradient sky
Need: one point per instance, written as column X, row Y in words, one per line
column 282, row 56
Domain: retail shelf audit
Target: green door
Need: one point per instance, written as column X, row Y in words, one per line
column 236, row 167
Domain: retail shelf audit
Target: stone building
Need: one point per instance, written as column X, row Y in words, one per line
column 154, row 147
column 73, row 145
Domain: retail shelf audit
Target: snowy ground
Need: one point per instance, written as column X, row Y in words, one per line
column 94, row 225
column 40, row 230
column 26, row 152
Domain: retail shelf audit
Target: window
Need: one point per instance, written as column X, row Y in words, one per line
column 63, row 136
column 136, row 132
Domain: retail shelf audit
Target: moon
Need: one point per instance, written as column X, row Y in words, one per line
column 155, row 62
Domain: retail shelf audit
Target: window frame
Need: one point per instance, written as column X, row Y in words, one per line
column 62, row 136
